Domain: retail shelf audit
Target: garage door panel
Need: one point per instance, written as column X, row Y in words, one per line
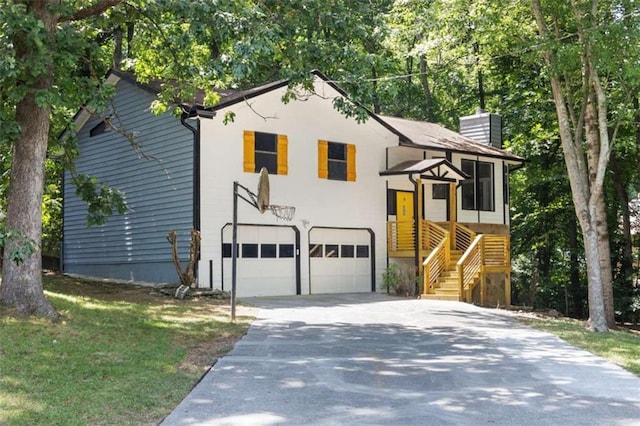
column 339, row 270
column 266, row 263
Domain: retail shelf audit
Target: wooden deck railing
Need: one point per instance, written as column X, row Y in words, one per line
column 433, row 235
column 400, row 235
column 436, row 263
column 463, row 237
column 469, row 266
column 487, row 253
column 496, row 251
column 482, row 253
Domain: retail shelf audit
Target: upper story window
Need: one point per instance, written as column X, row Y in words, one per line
column 336, row 161
column 478, row 190
column 265, row 150
column 102, row 127
column 439, row 191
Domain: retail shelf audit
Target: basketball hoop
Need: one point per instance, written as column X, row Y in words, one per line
column 262, row 201
column 282, row 212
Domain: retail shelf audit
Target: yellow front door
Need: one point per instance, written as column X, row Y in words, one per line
column 404, row 216
column 404, row 206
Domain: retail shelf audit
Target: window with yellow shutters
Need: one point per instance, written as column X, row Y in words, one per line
column 336, row 161
column 267, row 150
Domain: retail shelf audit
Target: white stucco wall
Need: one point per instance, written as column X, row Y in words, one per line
column 318, row 202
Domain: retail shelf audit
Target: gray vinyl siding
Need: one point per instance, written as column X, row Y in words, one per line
column 158, row 190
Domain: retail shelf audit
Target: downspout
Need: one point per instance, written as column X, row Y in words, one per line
column 196, row 173
column 195, row 165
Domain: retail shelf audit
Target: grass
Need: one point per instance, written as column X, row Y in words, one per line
column 112, row 359
column 621, row 347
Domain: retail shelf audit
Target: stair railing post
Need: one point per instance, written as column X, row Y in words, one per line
column 461, row 281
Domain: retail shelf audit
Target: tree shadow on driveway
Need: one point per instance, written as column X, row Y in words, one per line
column 427, row 364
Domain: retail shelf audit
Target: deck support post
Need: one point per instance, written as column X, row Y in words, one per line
column 507, row 288
column 453, row 214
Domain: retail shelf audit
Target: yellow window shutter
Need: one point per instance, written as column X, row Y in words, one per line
column 283, row 156
column 351, row 162
column 323, row 159
column 249, row 151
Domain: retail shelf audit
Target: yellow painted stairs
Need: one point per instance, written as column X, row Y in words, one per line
column 447, row 286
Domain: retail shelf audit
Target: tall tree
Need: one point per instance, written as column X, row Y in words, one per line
column 56, row 52
column 33, row 34
column 577, row 44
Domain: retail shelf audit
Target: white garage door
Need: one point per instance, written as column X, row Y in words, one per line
column 266, row 263
column 340, row 260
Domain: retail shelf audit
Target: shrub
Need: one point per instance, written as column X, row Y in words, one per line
column 401, row 279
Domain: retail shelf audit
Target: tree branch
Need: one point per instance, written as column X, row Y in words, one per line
column 86, row 12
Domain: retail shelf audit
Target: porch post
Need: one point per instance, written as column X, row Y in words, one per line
column 453, row 213
column 416, row 226
column 419, row 230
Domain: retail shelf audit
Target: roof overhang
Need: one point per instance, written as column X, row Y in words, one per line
column 439, row 169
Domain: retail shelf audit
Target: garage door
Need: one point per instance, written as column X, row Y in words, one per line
column 340, row 260
column 266, row 263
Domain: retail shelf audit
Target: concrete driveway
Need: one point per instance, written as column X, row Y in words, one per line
column 374, row 359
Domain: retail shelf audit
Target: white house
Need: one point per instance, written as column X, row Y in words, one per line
column 366, row 194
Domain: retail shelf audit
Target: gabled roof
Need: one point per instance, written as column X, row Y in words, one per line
column 433, row 169
column 417, row 134
column 422, row 134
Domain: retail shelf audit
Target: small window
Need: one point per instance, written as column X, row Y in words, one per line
column 315, row 250
column 286, row 250
column 485, row 198
column 337, row 157
column 392, row 202
column 226, row 250
column 336, row 161
column 347, row 251
column 440, row 191
column 102, row 127
column 362, row 251
column 477, row 191
column 267, row 150
column 505, row 183
column 469, row 185
column 268, row 250
column 249, row 250
column 331, row 250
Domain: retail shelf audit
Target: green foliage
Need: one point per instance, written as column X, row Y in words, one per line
column 21, row 247
column 102, row 200
column 91, row 367
column 617, row 346
column 411, row 58
column 401, row 279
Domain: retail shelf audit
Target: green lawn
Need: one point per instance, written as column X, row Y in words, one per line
column 115, row 358
column 620, row 347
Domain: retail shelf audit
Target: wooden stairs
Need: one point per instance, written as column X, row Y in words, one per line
column 448, row 285
column 457, row 258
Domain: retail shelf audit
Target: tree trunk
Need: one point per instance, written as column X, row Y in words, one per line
column 586, row 175
column 576, row 290
column 22, row 283
column 426, row 90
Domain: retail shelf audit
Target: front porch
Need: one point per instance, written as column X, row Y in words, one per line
column 455, row 260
